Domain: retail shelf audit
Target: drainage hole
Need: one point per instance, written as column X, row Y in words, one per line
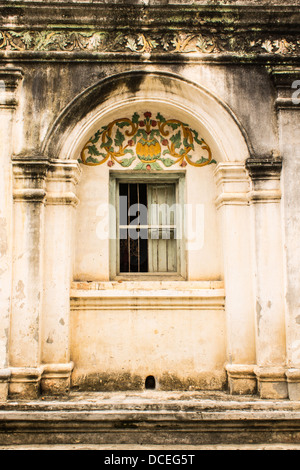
column 150, row 382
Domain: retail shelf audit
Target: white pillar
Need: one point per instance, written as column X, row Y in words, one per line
column 287, row 82
column 29, row 195
column 9, row 80
column 265, row 199
column 59, row 213
column 232, row 202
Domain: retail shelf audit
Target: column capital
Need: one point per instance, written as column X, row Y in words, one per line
column 64, row 171
column 30, row 166
column 62, row 177
column 265, row 173
column 232, row 182
column 9, row 81
column 264, row 168
column 287, row 82
column 29, row 177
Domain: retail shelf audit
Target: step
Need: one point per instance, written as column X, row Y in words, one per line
column 150, row 418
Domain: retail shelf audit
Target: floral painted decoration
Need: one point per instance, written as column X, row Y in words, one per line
column 153, row 143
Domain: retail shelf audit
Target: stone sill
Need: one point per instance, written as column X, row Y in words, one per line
column 148, row 295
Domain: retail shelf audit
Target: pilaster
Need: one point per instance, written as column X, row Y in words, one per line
column 29, row 196
column 232, row 203
column 9, row 82
column 287, row 84
column 60, row 206
column 265, row 201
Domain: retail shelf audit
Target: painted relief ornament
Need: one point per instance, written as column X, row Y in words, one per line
column 153, row 143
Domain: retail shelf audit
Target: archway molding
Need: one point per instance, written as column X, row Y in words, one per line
column 116, row 93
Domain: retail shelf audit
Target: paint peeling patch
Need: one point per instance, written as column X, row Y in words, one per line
column 297, row 320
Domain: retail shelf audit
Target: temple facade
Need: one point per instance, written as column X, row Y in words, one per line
column 149, row 197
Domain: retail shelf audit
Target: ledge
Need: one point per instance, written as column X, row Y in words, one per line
column 148, row 295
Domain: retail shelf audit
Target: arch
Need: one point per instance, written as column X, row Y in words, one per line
column 80, row 118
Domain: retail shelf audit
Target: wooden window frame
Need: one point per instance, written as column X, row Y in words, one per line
column 175, row 177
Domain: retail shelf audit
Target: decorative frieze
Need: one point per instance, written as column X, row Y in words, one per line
column 183, row 42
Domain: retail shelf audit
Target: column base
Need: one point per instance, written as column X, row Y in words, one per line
column 56, row 379
column 4, row 381
column 271, row 382
column 293, row 382
column 25, row 383
column 241, row 379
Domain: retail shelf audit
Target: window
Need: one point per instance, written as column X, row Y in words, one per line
column 147, row 226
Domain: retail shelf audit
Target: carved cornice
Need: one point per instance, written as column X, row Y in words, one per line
column 195, row 30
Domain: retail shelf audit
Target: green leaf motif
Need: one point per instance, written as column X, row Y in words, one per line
column 142, row 133
column 187, row 144
column 135, row 118
column 176, row 140
column 201, row 160
column 204, row 160
column 119, row 139
column 174, row 125
column 92, row 160
column 122, row 124
column 143, row 166
column 96, row 137
column 167, row 161
column 155, row 166
column 126, row 162
column 155, row 132
column 92, row 150
column 160, row 118
column 196, row 137
column 107, row 144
